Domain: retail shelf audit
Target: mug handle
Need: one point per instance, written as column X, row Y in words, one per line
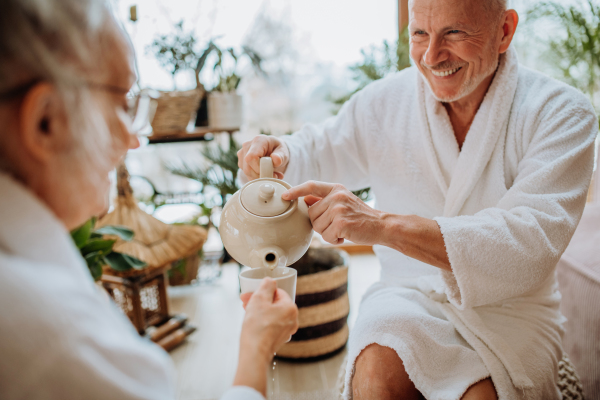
column 266, row 167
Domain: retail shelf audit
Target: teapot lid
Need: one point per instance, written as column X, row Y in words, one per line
column 263, row 198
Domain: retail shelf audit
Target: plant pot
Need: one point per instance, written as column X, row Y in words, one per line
column 174, row 110
column 196, row 269
column 323, row 304
column 224, row 109
column 185, row 271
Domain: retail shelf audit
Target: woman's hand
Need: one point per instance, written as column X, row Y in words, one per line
column 337, row 214
column 263, row 146
column 271, row 318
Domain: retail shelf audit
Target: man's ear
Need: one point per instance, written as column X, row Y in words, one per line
column 509, row 27
column 42, row 122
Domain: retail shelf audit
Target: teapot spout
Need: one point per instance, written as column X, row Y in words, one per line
column 269, row 257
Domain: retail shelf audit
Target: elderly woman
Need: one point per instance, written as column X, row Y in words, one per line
column 65, row 71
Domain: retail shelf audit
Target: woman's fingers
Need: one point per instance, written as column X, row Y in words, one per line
column 245, row 297
column 266, row 291
column 281, row 296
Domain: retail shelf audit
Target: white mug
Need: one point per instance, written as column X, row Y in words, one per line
column 251, row 279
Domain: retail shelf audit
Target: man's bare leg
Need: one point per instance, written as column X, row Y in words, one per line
column 482, row 390
column 379, row 375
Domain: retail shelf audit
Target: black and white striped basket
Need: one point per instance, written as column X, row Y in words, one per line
column 323, row 304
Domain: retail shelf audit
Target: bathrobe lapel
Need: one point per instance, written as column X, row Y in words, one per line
column 456, row 172
column 489, row 125
column 437, row 136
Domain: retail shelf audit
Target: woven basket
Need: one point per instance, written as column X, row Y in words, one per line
column 323, row 304
column 174, row 110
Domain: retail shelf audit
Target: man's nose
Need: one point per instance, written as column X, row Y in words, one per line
column 435, row 52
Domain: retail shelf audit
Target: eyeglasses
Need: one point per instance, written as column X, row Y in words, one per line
column 139, row 110
column 138, row 105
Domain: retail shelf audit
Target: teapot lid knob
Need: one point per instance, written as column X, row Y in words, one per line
column 266, row 191
column 263, row 198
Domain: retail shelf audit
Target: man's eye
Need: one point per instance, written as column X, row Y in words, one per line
column 453, row 32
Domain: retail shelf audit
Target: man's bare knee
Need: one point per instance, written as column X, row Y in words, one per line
column 482, row 390
column 380, row 374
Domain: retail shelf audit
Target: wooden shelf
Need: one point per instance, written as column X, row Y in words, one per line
column 198, row 134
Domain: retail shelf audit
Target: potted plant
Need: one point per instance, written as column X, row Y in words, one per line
column 175, row 52
column 224, row 104
column 98, row 252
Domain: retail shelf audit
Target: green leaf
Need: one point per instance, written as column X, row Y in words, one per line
column 82, row 234
column 123, row 262
column 120, row 231
column 96, row 271
column 95, row 261
column 102, row 246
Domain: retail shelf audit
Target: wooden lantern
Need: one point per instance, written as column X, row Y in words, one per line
column 142, row 296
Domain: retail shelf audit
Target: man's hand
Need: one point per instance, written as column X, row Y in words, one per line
column 337, row 214
column 263, row 146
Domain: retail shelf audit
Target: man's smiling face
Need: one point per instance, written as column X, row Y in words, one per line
column 454, row 43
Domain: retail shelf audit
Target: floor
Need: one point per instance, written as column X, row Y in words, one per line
column 206, row 363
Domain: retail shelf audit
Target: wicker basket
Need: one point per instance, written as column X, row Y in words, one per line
column 322, row 300
column 174, row 110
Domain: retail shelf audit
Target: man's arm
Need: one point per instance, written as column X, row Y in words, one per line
column 339, row 215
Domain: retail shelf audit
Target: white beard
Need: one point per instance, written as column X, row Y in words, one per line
column 468, row 87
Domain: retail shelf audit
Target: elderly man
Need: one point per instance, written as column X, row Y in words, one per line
column 65, row 71
column 480, row 169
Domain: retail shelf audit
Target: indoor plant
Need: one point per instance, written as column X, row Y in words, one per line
column 224, row 103
column 98, row 251
column 175, row 52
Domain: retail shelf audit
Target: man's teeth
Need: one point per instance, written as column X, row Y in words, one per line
column 445, row 73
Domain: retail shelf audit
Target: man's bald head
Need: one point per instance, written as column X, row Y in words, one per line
column 493, row 8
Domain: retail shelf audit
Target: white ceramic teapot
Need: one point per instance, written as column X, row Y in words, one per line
column 260, row 229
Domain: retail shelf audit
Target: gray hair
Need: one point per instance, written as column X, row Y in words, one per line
column 57, row 41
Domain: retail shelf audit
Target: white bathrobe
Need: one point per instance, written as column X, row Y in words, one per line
column 507, row 205
column 60, row 339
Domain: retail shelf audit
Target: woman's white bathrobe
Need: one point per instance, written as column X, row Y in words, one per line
column 60, row 339
column 507, row 205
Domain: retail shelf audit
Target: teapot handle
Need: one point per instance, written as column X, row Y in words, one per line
column 266, row 167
